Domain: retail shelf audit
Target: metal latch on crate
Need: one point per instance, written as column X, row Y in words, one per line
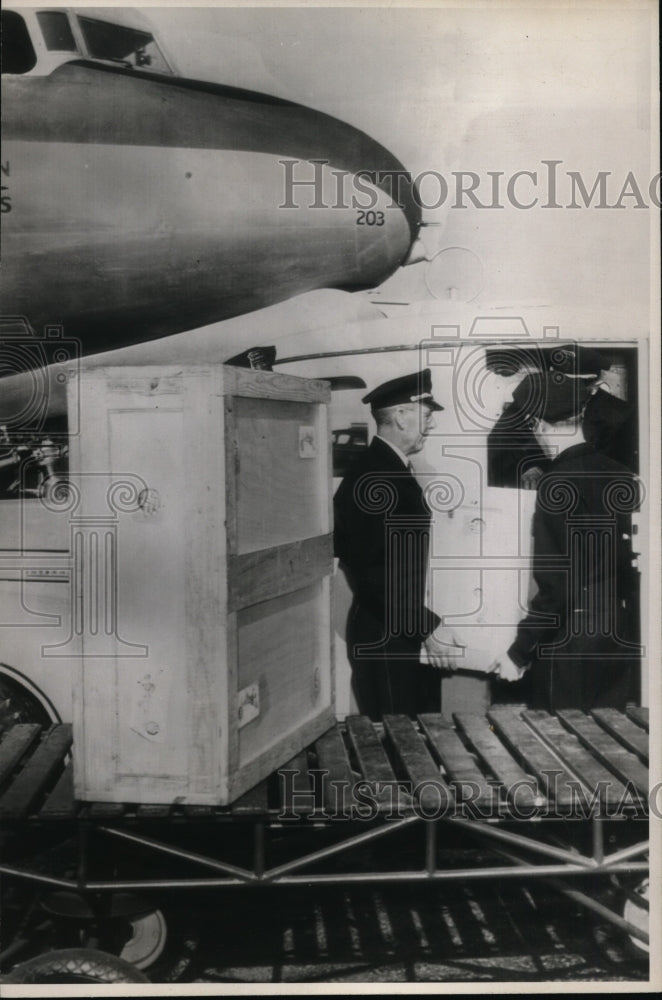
column 248, row 704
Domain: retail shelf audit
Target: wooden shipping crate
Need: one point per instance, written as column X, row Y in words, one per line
column 201, row 537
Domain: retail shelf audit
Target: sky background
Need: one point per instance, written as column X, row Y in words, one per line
column 471, row 88
column 414, row 78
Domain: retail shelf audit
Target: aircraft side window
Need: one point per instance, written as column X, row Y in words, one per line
column 514, row 456
column 18, row 54
column 56, row 31
column 116, row 43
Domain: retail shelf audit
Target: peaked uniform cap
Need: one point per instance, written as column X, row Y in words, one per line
column 577, row 360
column 552, row 396
column 414, row 388
column 256, row 357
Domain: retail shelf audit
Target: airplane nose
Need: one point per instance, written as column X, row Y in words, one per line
column 229, row 202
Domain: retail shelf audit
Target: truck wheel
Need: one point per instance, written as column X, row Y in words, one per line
column 148, row 939
column 157, row 940
column 75, row 965
column 161, row 943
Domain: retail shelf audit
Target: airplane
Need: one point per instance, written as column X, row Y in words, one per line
column 138, row 203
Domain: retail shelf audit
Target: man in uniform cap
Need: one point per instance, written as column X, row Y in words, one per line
column 576, row 635
column 515, row 458
column 577, row 361
column 261, row 358
column 382, row 527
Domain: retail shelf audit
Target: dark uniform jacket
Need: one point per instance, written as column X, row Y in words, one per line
column 581, row 616
column 512, row 450
column 382, row 529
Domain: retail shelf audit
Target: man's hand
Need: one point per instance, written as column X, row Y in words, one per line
column 505, row 669
column 444, row 652
column 531, row 478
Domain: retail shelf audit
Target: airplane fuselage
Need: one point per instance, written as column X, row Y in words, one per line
column 140, row 205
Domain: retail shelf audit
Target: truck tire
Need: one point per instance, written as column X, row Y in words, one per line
column 75, row 965
column 162, row 942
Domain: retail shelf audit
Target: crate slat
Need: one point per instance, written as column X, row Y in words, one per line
column 555, row 780
column 263, row 575
column 640, row 716
column 460, row 766
column 61, row 804
column 376, row 770
column 624, row 730
column 14, row 744
column 577, row 758
column 428, row 787
column 332, row 758
column 39, row 770
column 369, row 751
column 613, row 755
column 519, row 787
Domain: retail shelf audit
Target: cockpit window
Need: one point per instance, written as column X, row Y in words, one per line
column 18, row 55
column 56, row 30
column 120, row 44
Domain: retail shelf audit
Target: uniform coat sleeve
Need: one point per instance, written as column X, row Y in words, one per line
column 548, row 608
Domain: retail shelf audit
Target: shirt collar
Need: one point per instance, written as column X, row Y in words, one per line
column 401, row 455
column 574, row 450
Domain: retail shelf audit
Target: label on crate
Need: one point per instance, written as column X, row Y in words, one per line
column 248, row 704
column 307, row 442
